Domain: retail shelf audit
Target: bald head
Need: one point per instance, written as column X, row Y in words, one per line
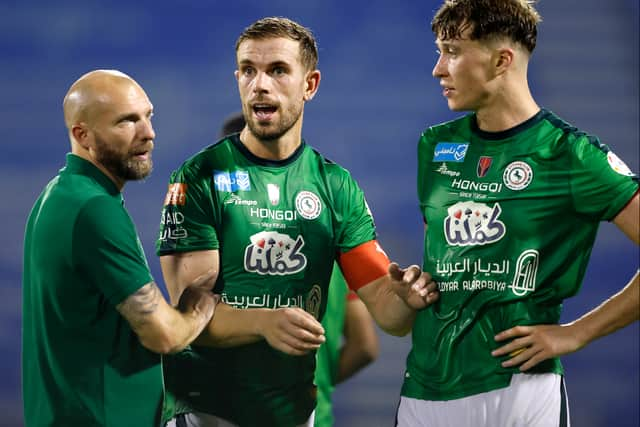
column 108, row 116
column 89, row 92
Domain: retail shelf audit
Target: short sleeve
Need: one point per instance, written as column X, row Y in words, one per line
column 107, row 250
column 187, row 222
column 601, row 184
column 354, row 218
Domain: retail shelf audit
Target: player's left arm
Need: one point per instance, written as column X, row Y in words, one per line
column 392, row 294
column 360, row 340
column 533, row 344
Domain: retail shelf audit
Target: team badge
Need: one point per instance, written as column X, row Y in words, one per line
column 618, row 165
column 517, row 175
column 308, row 205
column 273, row 191
column 313, row 302
column 484, row 163
column 450, row 152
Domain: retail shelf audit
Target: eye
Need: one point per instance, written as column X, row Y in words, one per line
column 247, row 71
column 278, row 71
column 129, row 118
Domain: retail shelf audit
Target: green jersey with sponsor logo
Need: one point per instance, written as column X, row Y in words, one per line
column 82, row 364
column 511, row 219
column 278, row 226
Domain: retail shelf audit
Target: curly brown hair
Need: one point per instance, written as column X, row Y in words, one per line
column 487, row 19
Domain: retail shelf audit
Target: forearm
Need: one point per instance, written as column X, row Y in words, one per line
column 351, row 361
column 615, row 313
column 231, row 327
column 389, row 311
column 180, row 331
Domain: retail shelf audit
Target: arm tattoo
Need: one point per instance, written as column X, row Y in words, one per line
column 138, row 306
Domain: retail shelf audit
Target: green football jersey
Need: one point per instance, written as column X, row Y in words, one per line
column 328, row 356
column 278, row 226
column 82, row 365
column 511, row 220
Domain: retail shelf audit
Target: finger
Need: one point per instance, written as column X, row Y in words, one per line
column 395, row 271
column 511, row 347
column 304, row 320
column 424, row 286
column 533, row 361
column 412, row 274
column 307, row 339
column 432, row 296
column 516, row 331
column 301, row 343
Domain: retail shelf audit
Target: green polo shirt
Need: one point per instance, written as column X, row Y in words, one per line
column 82, row 365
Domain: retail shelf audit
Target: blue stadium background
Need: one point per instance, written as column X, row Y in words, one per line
column 376, row 95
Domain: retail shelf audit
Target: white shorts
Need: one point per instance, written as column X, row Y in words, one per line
column 531, row 400
column 200, row 419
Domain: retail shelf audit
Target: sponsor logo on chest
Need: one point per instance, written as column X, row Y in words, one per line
column 450, row 152
column 231, row 181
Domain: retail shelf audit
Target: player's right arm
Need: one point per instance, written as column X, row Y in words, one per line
column 162, row 328
column 290, row 330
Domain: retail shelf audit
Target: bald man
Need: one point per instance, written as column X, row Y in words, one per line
column 94, row 320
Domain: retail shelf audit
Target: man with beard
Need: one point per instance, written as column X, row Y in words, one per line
column 94, row 321
column 272, row 215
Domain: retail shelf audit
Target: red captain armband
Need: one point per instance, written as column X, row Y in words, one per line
column 363, row 264
column 351, row 295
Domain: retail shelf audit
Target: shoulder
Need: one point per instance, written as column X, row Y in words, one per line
column 326, row 166
column 447, row 129
column 565, row 137
column 102, row 211
column 206, row 160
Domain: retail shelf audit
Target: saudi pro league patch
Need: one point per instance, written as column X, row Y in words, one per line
column 618, row 165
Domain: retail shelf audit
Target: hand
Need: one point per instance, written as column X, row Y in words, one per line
column 292, row 331
column 416, row 288
column 198, row 301
column 534, row 344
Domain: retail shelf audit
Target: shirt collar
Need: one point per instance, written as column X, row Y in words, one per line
column 77, row 165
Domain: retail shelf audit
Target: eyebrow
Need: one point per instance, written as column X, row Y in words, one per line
column 275, row 63
column 132, row 116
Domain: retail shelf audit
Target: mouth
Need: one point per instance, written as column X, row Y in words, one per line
column 142, row 153
column 447, row 91
column 263, row 111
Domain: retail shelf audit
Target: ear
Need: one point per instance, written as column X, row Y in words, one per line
column 503, row 59
column 237, row 74
column 312, row 81
column 80, row 133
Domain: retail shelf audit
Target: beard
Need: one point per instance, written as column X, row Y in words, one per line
column 122, row 165
column 274, row 130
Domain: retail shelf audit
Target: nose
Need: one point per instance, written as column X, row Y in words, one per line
column 439, row 70
column 146, row 130
column 261, row 83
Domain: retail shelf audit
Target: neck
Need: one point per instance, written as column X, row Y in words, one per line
column 274, row 149
column 507, row 108
column 81, row 152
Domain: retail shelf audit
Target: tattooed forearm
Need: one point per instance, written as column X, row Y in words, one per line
column 138, row 306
